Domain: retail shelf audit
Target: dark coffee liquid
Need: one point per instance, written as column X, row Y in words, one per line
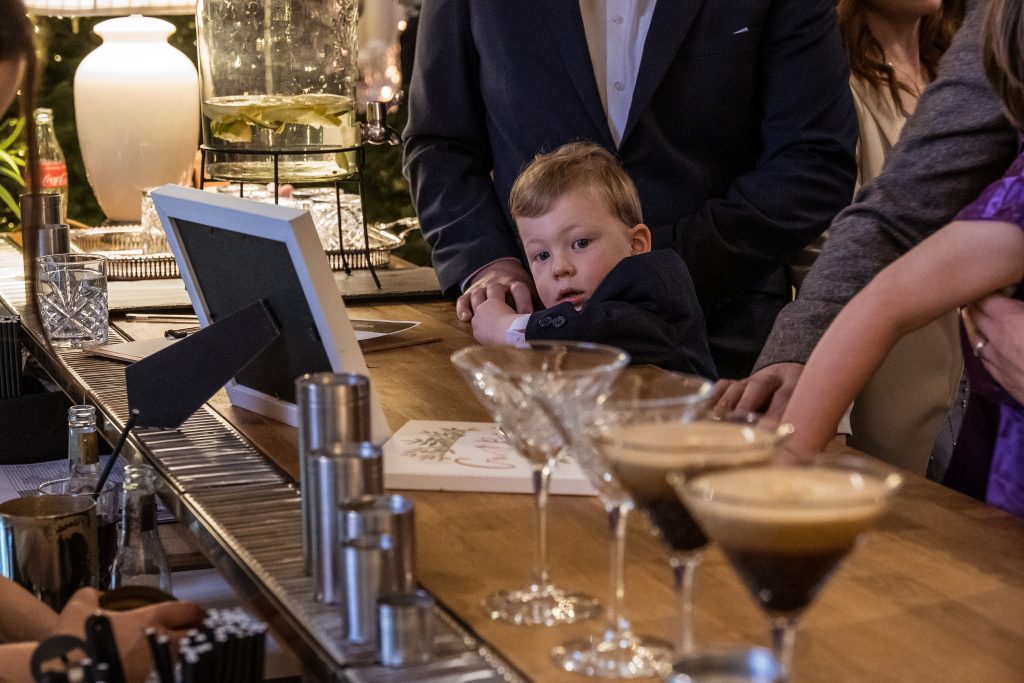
column 106, row 534
column 677, row 528
column 76, row 572
column 784, row 582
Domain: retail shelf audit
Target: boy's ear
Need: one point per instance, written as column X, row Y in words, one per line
column 639, row 239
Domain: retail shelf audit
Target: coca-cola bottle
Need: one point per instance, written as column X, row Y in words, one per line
column 53, row 170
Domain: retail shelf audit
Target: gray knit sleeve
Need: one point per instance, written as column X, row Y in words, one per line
column 955, row 144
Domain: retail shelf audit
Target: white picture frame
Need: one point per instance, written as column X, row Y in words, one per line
column 294, row 229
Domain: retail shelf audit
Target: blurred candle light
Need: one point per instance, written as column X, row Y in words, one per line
column 379, row 26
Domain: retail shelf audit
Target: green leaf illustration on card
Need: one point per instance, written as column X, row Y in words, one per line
column 437, row 443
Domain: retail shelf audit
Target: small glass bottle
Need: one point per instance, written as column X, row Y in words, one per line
column 53, row 169
column 83, row 450
column 141, row 560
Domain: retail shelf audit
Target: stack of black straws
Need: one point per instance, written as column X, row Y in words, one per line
column 230, row 647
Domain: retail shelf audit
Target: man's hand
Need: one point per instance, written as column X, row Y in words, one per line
column 504, row 280
column 492, row 319
column 767, row 391
column 999, row 320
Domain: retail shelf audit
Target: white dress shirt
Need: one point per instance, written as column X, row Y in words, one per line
column 616, row 32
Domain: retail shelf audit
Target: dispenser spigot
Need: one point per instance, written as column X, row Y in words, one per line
column 376, row 130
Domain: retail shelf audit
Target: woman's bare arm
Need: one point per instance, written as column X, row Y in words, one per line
column 959, row 264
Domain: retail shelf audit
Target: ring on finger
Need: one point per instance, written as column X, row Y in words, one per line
column 979, row 345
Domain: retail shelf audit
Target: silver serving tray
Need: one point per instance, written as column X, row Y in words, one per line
column 122, row 244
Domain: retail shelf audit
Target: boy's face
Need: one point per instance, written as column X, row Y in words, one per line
column 573, row 247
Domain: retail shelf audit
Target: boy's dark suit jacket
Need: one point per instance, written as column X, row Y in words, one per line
column 647, row 307
column 740, row 137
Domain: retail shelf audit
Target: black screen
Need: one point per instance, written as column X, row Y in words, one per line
column 233, row 270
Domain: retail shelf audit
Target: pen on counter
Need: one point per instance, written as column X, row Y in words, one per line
column 161, row 317
column 181, row 332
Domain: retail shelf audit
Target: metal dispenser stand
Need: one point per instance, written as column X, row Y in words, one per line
column 375, row 131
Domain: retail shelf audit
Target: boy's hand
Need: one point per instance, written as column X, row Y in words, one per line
column 505, row 280
column 491, row 320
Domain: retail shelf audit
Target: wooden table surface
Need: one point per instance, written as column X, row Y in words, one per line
column 935, row 594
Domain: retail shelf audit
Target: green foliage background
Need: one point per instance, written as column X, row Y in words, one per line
column 62, row 45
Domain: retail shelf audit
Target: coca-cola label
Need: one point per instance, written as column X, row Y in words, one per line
column 53, row 175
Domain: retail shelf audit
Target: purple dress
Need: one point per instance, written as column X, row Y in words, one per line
column 988, row 458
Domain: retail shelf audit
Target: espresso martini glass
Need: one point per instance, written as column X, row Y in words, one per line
column 786, row 529
column 506, row 379
column 647, row 445
column 617, row 652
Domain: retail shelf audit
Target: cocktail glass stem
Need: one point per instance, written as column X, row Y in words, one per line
column 684, row 567
column 541, row 486
column 618, row 513
column 783, row 640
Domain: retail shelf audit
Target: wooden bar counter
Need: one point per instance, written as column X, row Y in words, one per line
column 935, row 594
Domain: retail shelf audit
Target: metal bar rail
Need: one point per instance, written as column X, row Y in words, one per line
column 244, row 514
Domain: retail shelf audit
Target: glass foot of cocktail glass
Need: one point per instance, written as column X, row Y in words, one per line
column 540, row 605
column 649, row 446
column 617, row 652
column 751, row 665
column 505, row 379
column 786, row 529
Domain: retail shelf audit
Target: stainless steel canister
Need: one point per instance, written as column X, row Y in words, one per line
column 49, row 208
column 38, row 238
column 48, row 545
column 340, row 474
column 406, row 623
column 334, row 408
column 391, row 517
column 377, row 558
column 362, row 570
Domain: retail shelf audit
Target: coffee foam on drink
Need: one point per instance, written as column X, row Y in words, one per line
column 787, row 509
column 643, row 454
column 672, row 445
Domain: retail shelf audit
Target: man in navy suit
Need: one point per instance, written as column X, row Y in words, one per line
column 734, row 119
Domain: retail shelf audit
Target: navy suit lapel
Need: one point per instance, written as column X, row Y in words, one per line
column 567, row 27
column 669, row 26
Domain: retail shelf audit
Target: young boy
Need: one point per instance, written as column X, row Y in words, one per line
column 579, row 220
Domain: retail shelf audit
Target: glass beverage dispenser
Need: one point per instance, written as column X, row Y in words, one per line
column 278, row 84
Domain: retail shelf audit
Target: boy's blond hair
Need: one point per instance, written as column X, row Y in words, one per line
column 573, row 166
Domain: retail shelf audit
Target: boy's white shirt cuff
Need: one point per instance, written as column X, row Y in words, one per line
column 516, row 332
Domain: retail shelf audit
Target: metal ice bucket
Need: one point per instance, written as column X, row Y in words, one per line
column 48, row 545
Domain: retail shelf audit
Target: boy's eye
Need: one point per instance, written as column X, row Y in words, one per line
column 581, row 243
column 541, row 256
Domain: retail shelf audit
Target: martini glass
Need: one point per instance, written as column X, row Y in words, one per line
column 506, row 379
column 617, row 652
column 647, row 444
column 786, row 529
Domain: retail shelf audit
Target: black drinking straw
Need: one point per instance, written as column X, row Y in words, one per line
column 113, row 456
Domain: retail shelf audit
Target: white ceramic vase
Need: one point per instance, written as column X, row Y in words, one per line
column 137, row 113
